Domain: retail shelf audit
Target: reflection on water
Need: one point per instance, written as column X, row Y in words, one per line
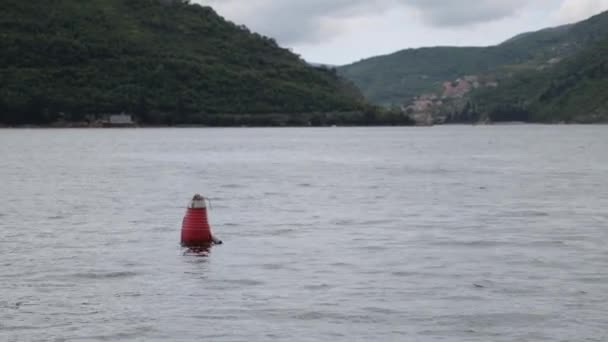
column 198, row 251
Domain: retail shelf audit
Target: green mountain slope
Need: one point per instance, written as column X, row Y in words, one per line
column 575, row 90
column 165, row 60
column 399, row 77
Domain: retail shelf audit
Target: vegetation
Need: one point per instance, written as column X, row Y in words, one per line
column 397, row 78
column 166, row 61
column 575, row 90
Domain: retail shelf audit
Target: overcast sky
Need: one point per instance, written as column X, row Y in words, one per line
column 344, row 31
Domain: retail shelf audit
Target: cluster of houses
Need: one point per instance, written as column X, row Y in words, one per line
column 423, row 108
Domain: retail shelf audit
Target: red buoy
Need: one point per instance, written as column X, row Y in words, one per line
column 196, row 231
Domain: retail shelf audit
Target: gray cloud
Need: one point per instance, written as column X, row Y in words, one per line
column 444, row 13
column 295, row 22
column 575, row 10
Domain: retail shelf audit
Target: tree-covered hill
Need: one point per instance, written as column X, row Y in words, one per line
column 399, row 77
column 166, row 61
column 575, row 90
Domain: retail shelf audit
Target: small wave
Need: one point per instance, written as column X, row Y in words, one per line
column 272, row 267
column 281, row 232
column 105, row 275
column 375, row 248
column 378, row 310
column 217, row 317
column 311, row 315
column 343, row 222
column 528, row 213
column 323, row 315
column 473, row 243
column 19, row 328
column 494, row 319
column 404, row 274
column 463, row 298
column 318, row 287
column 547, row 243
column 137, row 334
column 231, row 186
column 594, row 280
column 128, row 294
column 291, row 224
column 376, row 222
column 243, row 282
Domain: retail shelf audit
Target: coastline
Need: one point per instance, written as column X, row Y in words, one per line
column 96, row 127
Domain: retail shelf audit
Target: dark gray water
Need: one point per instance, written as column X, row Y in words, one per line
column 386, row 234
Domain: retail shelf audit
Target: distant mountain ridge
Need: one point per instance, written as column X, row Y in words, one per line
column 411, row 75
column 551, row 30
column 574, row 90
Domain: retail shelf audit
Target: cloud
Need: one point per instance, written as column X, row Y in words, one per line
column 575, row 10
column 442, row 13
column 294, row 22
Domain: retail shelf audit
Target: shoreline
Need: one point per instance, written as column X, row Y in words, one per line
column 95, row 127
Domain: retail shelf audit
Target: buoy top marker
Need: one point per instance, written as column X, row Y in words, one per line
column 198, row 202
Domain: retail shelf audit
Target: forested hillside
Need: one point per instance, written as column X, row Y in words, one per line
column 399, row 77
column 167, row 62
column 575, row 90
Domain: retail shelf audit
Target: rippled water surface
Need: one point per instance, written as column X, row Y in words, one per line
column 384, row 234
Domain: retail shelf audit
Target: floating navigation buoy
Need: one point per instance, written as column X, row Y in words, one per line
column 196, row 231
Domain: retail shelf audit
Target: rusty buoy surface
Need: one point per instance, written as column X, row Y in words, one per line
column 196, row 231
